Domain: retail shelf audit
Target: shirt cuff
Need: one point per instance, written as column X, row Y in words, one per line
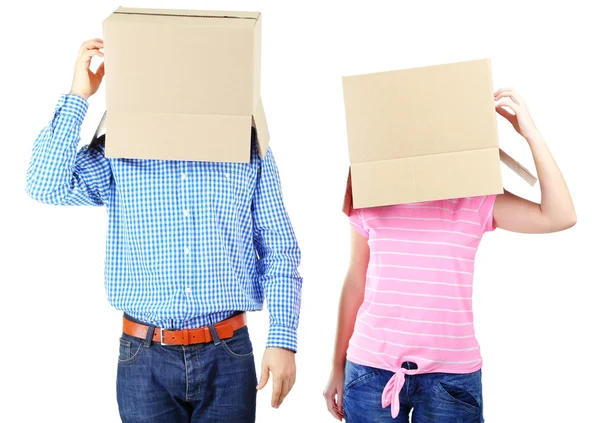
column 282, row 337
column 72, row 105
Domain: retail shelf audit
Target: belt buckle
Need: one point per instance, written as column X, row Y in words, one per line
column 162, row 338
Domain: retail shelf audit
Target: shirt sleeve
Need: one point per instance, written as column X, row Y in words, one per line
column 356, row 221
column 486, row 213
column 58, row 173
column 278, row 256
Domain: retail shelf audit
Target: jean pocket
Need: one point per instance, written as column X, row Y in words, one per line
column 357, row 375
column 129, row 349
column 238, row 346
column 460, row 395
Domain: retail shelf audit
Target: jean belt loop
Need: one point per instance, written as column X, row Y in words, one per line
column 149, row 335
column 215, row 335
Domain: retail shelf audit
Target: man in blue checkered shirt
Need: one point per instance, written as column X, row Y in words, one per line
column 191, row 246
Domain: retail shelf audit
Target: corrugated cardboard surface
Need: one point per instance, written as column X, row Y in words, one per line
column 422, row 134
column 182, row 84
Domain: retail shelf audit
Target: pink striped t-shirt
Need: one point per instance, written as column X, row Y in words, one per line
column 417, row 304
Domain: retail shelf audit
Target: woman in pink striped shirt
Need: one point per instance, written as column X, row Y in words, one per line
column 405, row 330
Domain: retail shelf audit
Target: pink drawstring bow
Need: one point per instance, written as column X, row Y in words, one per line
column 391, row 392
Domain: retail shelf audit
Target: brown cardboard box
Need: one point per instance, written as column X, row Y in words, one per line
column 183, row 84
column 423, row 134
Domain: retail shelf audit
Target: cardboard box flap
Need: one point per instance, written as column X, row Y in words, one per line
column 101, row 128
column 449, row 168
column 189, row 13
column 260, row 123
column 426, row 178
column 518, row 168
column 169, row 136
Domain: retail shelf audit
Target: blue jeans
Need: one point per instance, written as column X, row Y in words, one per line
column 212, row 382
column 433, row 397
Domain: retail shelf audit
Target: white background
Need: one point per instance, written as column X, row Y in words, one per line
column 536, row 297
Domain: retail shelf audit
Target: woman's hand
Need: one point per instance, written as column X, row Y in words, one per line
column 513, row 108
column 85, row 82
column 334, row 393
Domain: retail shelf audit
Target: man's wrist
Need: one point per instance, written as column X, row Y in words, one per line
column 282, row 337
column 72, row 105
column 79, row 94
column 281, row 348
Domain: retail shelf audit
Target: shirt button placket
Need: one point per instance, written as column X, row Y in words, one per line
column 187, row 249
column 184, row 196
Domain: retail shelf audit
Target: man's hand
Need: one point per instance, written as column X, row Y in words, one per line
column 86, row 82
column 282, row 364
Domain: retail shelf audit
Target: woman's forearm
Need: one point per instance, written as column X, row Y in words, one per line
column 556, row 203
column 350, row 300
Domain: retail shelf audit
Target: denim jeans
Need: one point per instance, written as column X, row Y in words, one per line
column 432, row 397
column 212, row 382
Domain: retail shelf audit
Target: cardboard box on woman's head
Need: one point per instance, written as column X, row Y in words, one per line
column 183, row 85
column 423, row 134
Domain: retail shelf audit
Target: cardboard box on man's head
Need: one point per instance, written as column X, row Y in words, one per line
column 183, row 85
column 423, row 134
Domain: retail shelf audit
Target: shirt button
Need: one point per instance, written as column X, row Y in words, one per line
column 184, row 176
column 186, row 250
column 188, row 290
column 186, row 213
column 227, row 175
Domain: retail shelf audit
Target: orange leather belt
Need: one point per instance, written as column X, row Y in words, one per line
column 201, row 335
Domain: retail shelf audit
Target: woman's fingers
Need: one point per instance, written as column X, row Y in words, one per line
column 506, row 114
column 334, row 408
column 328, row 395
column 339, row 404
column 516, row 96
column 509, row 92
column 507, row 110
column 501, row 90
column 507, row 105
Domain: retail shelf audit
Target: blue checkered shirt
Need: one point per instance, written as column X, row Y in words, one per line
column 189, row 243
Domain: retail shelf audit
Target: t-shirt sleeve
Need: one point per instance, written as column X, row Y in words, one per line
column 356, row 221
column 486, row 213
